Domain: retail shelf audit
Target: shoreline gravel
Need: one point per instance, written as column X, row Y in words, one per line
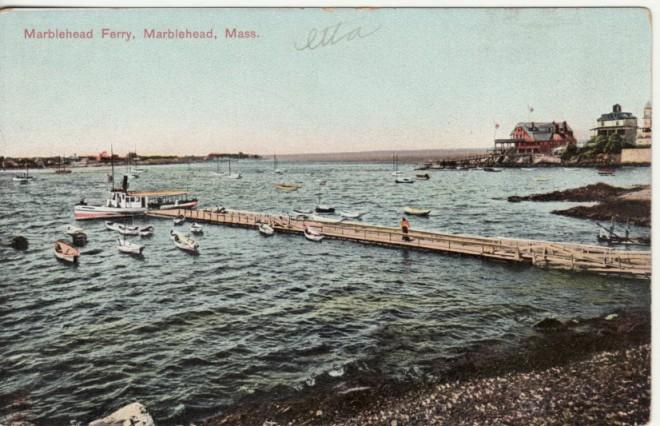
column 582, row 371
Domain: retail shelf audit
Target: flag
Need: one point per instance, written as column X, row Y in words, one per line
column 530, row 108
column 497, row 125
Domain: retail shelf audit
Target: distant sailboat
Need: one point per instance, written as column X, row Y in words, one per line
column 129, row 171
column 397, row 173
column 395, row 165
column 23, row 178
column 275, row 168
column 137, row 170
column 61, row 169
column 232, row 175
column 217, row 168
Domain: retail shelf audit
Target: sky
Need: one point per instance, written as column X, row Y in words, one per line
column 389, row 78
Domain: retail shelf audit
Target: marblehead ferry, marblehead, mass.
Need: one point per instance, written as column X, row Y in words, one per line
column 51, row 34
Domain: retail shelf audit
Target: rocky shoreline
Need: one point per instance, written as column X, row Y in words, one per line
column 579, row 371
column 582, row 371
column 625, row 204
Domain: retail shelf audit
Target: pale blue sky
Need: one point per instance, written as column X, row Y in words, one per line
column 428, row 78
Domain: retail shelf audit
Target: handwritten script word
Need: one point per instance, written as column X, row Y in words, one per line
column 334, row 34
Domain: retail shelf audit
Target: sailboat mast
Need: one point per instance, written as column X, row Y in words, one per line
column 229, row 162
column 112, row 166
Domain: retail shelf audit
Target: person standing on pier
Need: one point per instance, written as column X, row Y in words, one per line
column 405, row 226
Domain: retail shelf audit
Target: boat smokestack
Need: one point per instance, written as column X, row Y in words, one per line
column 124, row 183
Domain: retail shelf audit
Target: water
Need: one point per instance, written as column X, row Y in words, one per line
column 188, row 336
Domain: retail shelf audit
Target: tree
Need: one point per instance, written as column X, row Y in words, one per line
column 596, row 145
column 613, row 145
column 570, row 151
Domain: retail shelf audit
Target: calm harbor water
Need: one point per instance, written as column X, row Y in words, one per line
column 190, row 335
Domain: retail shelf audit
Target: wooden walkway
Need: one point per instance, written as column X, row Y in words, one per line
column 545, row 254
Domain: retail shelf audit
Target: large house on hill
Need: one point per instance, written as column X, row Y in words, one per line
column 537, row 138
column 617, row 122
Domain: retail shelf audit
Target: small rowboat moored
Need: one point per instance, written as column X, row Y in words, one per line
column 404, row 180
column 128, row 247
column 313, row 234
column 287, row 187
column 122, row 229
column 184, row 243
column 72, row 230
column 416, row 211
column 325, row 208
column 146, row 231
column 266, row 230
column 351, row 215
column 66, row 252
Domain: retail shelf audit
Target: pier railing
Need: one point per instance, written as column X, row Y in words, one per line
column 546, row 254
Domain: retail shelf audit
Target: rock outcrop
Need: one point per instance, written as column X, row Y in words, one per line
column 134, row 414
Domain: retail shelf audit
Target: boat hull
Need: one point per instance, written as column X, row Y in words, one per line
column 185, row 205
column 66, row 258
column 132, row 249
column 65, row 252
column 266, row 230
column 99, row 212
column 184, row 243
column 324, row 209
column 416, row 212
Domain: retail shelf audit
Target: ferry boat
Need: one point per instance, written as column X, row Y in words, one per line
column 123, row 203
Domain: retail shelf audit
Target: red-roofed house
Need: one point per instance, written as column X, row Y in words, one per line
column 537, row 138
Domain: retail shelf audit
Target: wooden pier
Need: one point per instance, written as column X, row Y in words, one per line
column 544, row 254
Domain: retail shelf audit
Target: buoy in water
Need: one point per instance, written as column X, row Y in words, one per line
column 79, row 239
column 19, row 242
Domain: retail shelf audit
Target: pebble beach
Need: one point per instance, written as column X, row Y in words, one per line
column 583, row 371
column 608, row 388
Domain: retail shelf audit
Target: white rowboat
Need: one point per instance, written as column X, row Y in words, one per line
column 122, row 229
column 73, row 230
column 287, row 187
column 146, row 231
column 313, row 234
column 128, row 247
column 266, row 230
column 196, row 228
column 351, row 215
column 184, row 242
